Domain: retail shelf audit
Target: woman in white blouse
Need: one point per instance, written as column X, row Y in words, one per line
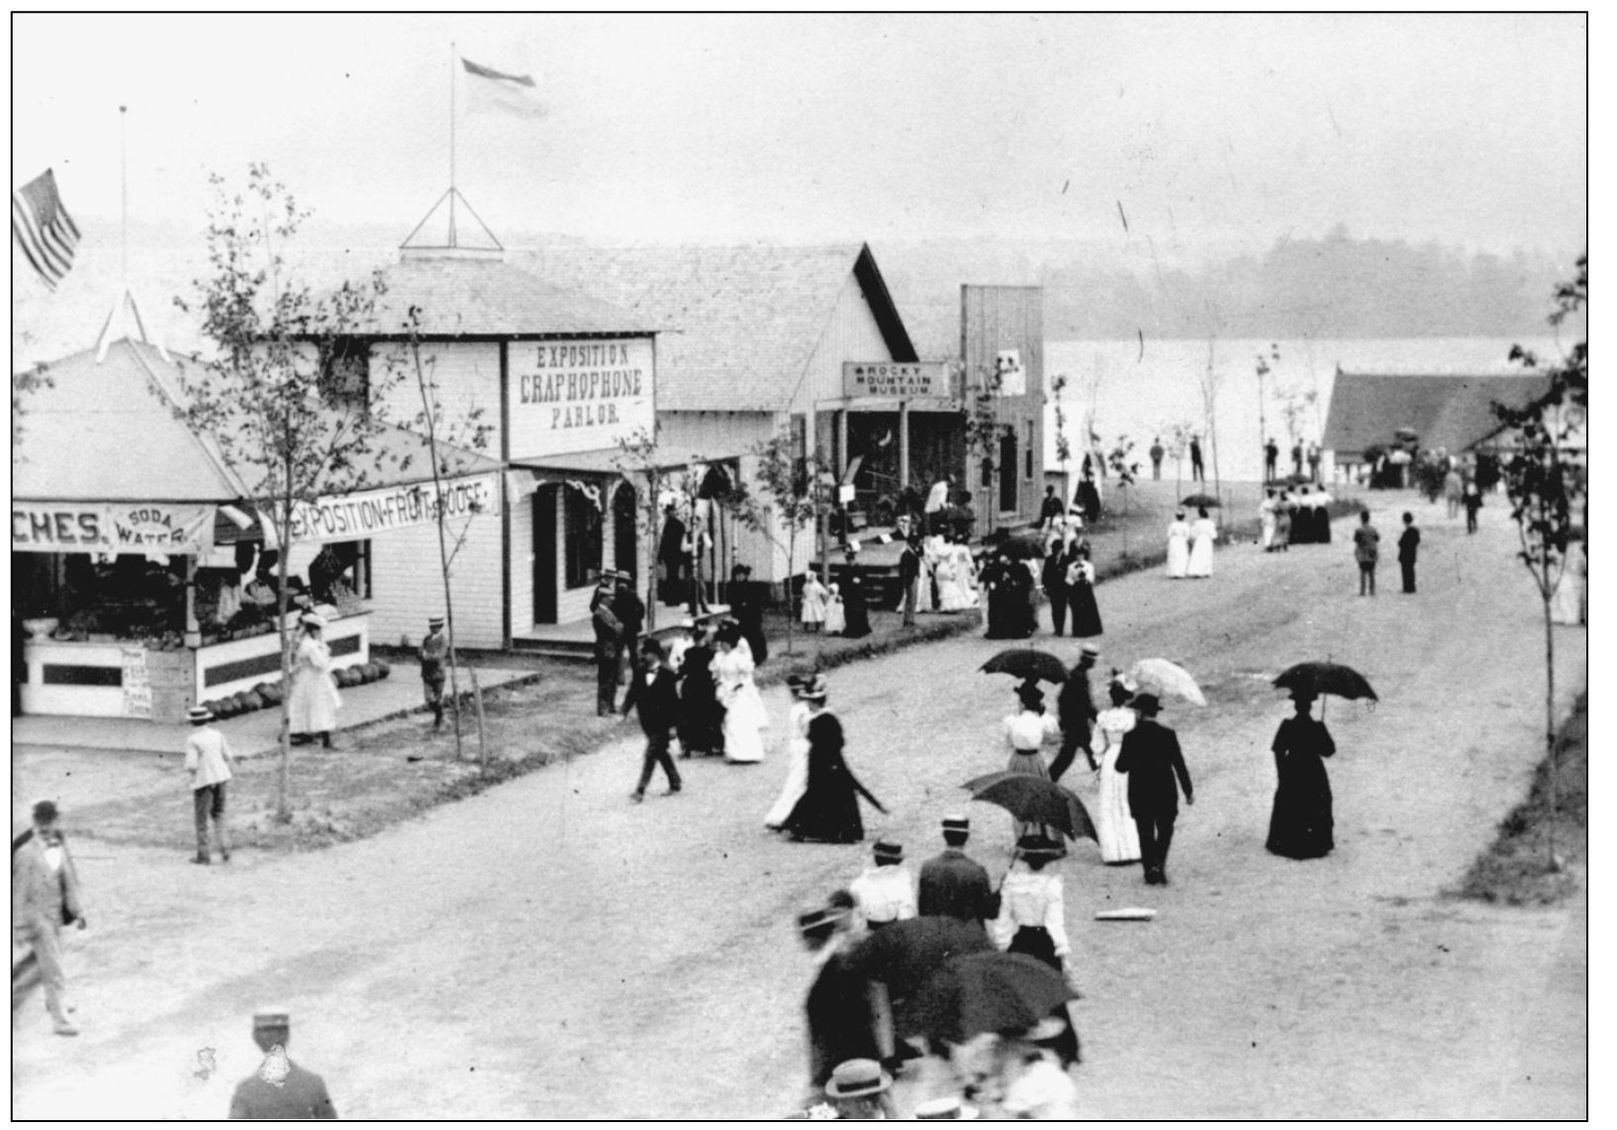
column 1032, row 916
column 1025, row 733
column 744, row 717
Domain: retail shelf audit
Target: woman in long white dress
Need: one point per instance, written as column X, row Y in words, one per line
column 1119, row 838
column 744, row 717
column 1178, row 546
column 1568, row 606
column 797, row 748
column 1266, row 517
column 836, row 620
column 1202, row 535
column 959, row 592
column 814, row 596
column 313, row 699
column 933, row 551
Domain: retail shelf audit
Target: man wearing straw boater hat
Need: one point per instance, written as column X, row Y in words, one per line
column 954, row 884
column 859, row 1088
column 1151, row 757
column 434, row 653
column 1075, row 706
column 279, row 1088
column 207, row 759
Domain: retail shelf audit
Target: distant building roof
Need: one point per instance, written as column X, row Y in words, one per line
column 1449, row 411
column 740, row 323
column 477, row 294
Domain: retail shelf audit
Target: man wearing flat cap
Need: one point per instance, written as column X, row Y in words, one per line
column 954, row 884
column 1156, row 770
column 279, row 1088
column 1075, row 706
column 434, row 654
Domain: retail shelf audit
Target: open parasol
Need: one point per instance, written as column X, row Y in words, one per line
column 1164, row 678
column 989, row 992
column 1023, row 546
column 1325, row 678
column 1035, row 800
column 1027, row 663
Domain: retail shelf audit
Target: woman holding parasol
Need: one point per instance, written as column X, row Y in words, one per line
column 1026, row 732
column 1301, row 825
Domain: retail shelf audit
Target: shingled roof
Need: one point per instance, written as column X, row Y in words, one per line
column 1449, row 411
column 744, row 321
column 470, row 295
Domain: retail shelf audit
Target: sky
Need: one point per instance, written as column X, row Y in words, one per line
column 1207, row 133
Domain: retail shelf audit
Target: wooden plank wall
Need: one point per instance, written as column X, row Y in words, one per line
column 1007, row 317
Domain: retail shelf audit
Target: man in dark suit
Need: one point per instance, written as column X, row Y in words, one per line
column 955, row 884
column 1075, row 707
column 609, row 640
column 279, row 1088
column 1151, row 758
column 655, row 690
column 909, row 575
column 841, row 1020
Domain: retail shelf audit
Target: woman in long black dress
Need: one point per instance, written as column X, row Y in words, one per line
column 1081, row 596
column 855, row 608
column 1301, row 826
column 828, row 811
column 994, row 579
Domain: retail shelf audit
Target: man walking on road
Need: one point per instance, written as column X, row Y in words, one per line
column 434, row 652
column 1075, row 707
column 207, row 759
column 1157, row 452
column 1152, row 759
column 655, row 690
column 44, row 898
column 1408, row 544
column 953, row 883
column 279, row 1088
column 1366, row 551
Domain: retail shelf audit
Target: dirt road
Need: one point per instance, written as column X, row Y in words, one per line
column 548, row 949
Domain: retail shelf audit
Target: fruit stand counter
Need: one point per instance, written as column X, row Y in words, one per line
column 237, row 666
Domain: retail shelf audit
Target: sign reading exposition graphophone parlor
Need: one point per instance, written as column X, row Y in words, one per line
column 572, row 396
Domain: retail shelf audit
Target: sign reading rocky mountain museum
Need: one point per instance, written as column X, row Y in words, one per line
column 896, row 380
column 571, row 396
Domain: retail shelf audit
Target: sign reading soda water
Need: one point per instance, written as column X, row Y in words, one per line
column 98, row 527
column 571, row 396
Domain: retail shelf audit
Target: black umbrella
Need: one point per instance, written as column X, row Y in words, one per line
column 1027, row 663
column 1199, row 500
column 908, row 954
column 1020, row 547
column 1325, row 678
column 989, row 992
column 1035, row 800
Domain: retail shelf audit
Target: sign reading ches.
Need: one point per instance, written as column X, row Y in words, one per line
column 900, row 380
column 76, row 527
column 355, row 517
column 571, row 396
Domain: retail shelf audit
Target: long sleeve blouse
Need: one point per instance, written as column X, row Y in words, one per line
column 1032, row 898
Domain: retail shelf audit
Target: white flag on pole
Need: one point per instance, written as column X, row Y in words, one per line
column 493, row 91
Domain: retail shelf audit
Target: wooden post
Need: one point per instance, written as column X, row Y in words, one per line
column 903, row 445
column 842, row 443
column 193, row 633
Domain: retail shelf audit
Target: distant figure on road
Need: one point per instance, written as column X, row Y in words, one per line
column 1313, row 462
column 1366, row 550
column 1285, row 513
column 434, row 653
column 673, row 581
column 954, row 884
column 44, row 898
column 1157, row 452
column 1075, row 709
column 1081, row 595
column 280, row 1088
column 207, row 759
column 1453, row 491
column 1302, row 519
column 1198, row 474
column 1202, row 535
column 909, row 579
column 1178, row 547
column 654, row 689
column 1266, row 521
column 1297, row 459
column 828, row 811
column 313, row 700
column 1300, row 826
column 1156, row 770
column 1471, row 499
column 1408, row 547
column 1322, row 517
column 1271, row 456
column 936, row 500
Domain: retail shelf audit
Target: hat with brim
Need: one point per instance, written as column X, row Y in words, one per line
column 954, row 822
column 815, row 688
column 947, row 1108
column 857, row 1077
column 1045, row 1031
column 312, row 620
column 198, row 715
column 1147, row 703
column 1039, row 847
column 820, row 918
column 435, row 622
column 886, row 851
column 1091, row 651
column 271, row 1018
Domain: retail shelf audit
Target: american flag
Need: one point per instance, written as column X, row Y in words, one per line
column 43, row 229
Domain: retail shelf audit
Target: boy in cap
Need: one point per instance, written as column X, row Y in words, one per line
column 655, row 690
column 279, row 1088
column 207, row 759
column 434, row 652
column 44, row 898
column 954, row 884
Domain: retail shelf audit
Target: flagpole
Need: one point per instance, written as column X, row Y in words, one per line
column 452, row 239
column 123, row 181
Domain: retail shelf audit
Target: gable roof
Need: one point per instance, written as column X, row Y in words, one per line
column 479, row 295
column 1449, row 411
column 740, row 323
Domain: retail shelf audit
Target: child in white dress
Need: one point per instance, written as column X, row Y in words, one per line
column 814, row 598
column 836, row 621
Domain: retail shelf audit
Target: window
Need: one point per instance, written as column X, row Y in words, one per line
column 341, row 572
column 345, row 373
column 1007, row 470
column 582, row 520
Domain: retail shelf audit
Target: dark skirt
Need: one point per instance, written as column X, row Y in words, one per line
column 701, row 718
column 1301, row 825
column 1322, row 525
column 1085, row 612
column 1035, row 941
